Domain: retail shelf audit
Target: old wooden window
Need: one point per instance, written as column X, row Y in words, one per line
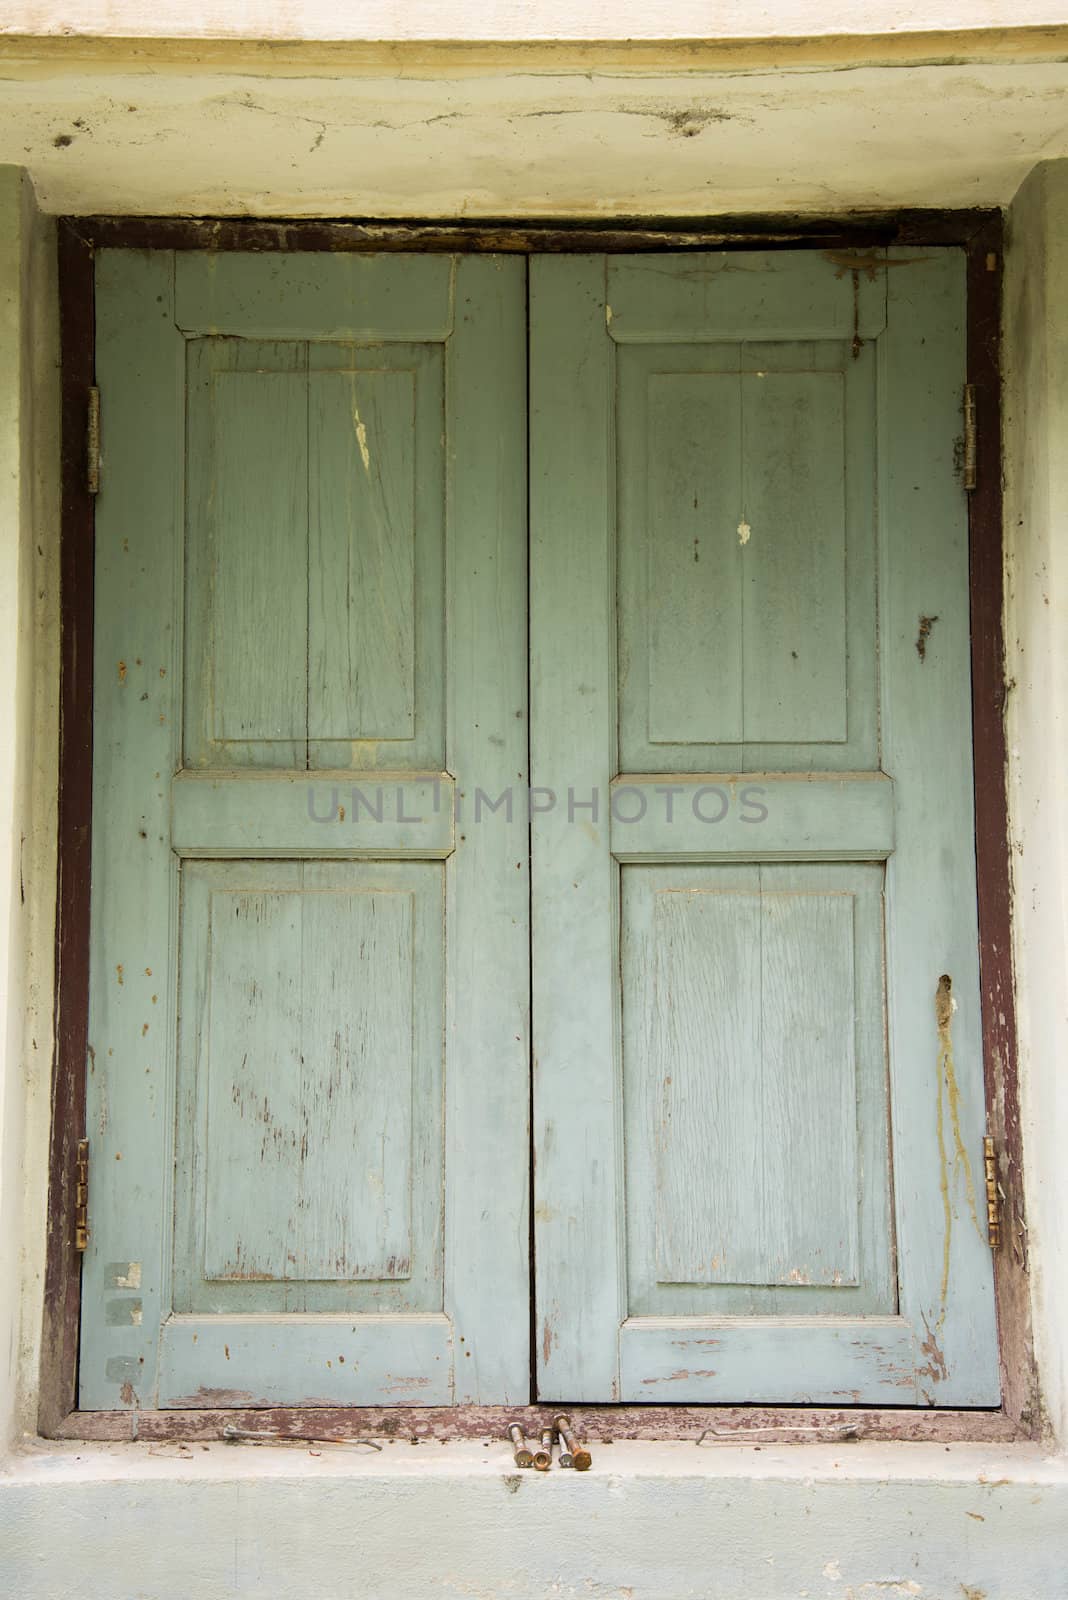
column 732, row 963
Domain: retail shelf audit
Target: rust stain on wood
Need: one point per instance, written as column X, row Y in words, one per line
column 926, row 624
column 936, row 1367
column 598, row 1424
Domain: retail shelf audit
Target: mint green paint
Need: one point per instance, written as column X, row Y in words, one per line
column 758, row 1167
column 746, row 553
column 763, row 816
column 313, row 814
column 310, row 1062
column 712, row 1103
column 309, row 1082
column 301, row 1128
column 303, row 480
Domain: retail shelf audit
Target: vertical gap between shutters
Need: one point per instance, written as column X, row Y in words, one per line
column 532, row 1298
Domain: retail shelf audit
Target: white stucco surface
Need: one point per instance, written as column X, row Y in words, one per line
column 121, row 134
column 514, row 19
column 1036, row 536
column 29, row 609
column 168, row 1522
column 648, row 1522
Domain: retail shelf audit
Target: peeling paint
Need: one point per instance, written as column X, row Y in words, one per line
column 744, row 532
column 949, row 1095
column 926, row 624
column 361, row 438
column 123, row 1313
column 123, row 1274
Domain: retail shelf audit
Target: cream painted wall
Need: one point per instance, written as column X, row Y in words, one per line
column 120, row 133
column 514, row 19
column 660, row 1522
column 28, row 733
column 1036, row 524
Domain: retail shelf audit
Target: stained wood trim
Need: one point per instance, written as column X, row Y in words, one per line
column 853, row 230
column 62, row 1264
column 979, row 233
column 756, row 1425
column 985, row 265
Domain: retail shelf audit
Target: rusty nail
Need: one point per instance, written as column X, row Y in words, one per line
column 523, row 1457
column 580, row 1458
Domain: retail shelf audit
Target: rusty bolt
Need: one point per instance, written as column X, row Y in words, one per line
column 581, row 1459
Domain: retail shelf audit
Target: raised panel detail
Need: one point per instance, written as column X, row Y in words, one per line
column 745, row 558
column 314, row 556
column 310, row 1076
column 694, row 563
column 793, row 558
column 257, row 492
column 363, row 556
column 747, row 1030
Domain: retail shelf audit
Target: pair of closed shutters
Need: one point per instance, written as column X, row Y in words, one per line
column 354, row 912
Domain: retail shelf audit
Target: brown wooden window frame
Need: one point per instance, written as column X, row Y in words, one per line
column 980, row 234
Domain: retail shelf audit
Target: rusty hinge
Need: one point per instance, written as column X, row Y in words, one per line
column 81, row 1197
column 993, row 1192
column 92, row 443
column 971, row 437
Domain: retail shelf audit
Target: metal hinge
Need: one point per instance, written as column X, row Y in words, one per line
column 81, row 1197
column 993, row 1192
column 92, row 443
column 971, row 437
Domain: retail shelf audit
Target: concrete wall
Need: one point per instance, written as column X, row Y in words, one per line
column 514, row 19
column 29, row 606
column 451, row 133
column 650, row 1522
column 1036, row 528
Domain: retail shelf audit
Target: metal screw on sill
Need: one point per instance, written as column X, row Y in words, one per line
column 580, row 1457
column 523, row 1456
column 842, row 1433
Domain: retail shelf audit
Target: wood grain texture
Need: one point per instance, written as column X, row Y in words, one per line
column 363, row 628
column 745, row 481
column 578, row 1146
column 755, row 1092
column 133, row 950
column 982, row 233
column 858, row 230
column 706, row 1426
column 313, row 814
column 920, row 453
column 370, row 1360
column 758, row 816
column 62, row 1285
column 793, row 560
column 689, row 587
column 246, row 602
column 754, row 1072
column 315, row 579
column 989, row 689
column 268, row 296
column 720, row 296
column 815, row 1361
column 936, row 1077
column 306, row 1067
column 310, row 1096
column 376, row 595
column 487, row 1080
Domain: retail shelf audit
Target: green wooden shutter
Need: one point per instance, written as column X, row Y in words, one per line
column 308, row 1078
column 758, row 1121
